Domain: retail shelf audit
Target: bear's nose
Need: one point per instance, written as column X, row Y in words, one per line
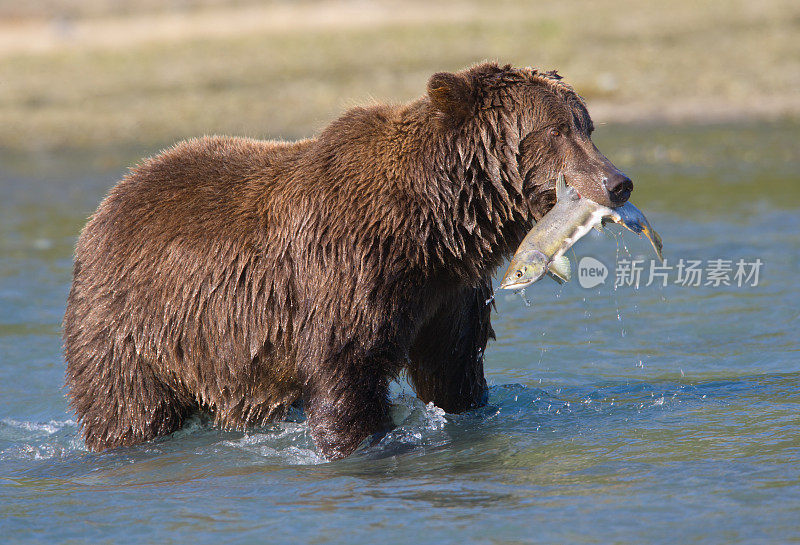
column 619, row 187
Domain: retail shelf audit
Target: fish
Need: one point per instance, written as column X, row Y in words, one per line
column 542, row 250
column 632, row 219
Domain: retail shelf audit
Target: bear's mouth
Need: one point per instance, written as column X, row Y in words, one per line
column 541, row 202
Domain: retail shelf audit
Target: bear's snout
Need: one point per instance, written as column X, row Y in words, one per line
column 619, row 187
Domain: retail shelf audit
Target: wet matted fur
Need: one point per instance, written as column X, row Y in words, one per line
column 240, row 276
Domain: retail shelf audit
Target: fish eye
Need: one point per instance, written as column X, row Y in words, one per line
column 520, row 272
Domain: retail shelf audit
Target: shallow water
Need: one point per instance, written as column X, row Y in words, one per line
column 658, row 414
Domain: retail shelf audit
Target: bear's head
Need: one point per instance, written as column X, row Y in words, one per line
column 521, row 127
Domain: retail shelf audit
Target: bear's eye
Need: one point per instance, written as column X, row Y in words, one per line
column 555, row 133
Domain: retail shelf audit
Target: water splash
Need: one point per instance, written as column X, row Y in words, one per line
column 49, row 427
column 288, row 442
column 39, row 440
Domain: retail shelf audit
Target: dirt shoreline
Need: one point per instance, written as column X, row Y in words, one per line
column 99, row 77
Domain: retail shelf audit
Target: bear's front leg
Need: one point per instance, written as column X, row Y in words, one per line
column 446, row 365
column 346, row 401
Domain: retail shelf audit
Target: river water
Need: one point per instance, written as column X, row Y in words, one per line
column 663, row 413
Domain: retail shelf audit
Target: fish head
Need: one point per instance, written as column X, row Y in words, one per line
column 525, row 269
column 561, row 142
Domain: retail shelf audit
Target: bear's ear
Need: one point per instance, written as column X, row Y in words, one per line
column 452, row 96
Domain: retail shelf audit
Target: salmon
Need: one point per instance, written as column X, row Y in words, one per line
column 542, row 250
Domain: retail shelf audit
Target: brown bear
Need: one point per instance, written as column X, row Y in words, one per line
column 240, row 276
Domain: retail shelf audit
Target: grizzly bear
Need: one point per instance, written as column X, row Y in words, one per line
column 240, row 277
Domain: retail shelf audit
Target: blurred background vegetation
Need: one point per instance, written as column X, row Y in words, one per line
column 140, row 74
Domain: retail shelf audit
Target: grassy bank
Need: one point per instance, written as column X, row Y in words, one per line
column 98, row 76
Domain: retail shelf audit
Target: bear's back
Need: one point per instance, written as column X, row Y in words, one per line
column 175, row 230
column 205, row 187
